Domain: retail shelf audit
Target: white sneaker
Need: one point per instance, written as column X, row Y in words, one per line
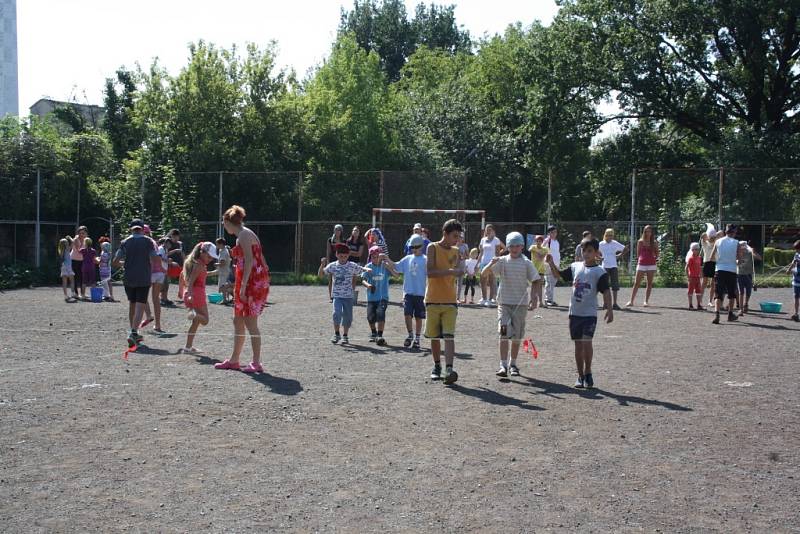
column 487, row 303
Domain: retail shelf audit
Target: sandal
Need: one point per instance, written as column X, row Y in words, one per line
column 146, row 322
column 227, row 364
column 190, row 350
column 253, row 367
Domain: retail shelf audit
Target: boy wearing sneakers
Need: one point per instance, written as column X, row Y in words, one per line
column 377, row 282
column 341, row 272
column 588, row 278
column 517, row 273
column 414, row 270
column 441, row 308
column 137, row 253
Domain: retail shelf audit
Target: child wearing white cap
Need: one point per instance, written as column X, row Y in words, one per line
column 517, row 273
column 694, row 270
column 195, row 271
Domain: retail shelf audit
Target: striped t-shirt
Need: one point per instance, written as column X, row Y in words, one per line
column 516, row 275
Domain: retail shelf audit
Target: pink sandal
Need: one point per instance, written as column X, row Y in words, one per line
column 227, row 364
column 253, row 368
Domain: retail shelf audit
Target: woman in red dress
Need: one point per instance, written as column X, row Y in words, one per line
column 250, row 291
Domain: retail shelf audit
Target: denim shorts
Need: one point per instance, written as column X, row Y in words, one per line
column 343, row 311
column 414, row 306
column 376, row 311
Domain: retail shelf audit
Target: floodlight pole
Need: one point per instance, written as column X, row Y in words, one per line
column 719, row 204
column 220, row 232
column 38, row 239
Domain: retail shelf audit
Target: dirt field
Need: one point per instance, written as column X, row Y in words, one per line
column 692, row 427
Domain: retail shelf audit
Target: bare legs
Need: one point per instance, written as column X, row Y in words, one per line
column 584, row 351
column 449, row 351
column 240, row 325
column 649, row 276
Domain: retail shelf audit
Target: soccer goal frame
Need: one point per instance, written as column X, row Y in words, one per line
column 377, row 211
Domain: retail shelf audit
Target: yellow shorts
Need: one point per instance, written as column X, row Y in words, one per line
column 440, row 322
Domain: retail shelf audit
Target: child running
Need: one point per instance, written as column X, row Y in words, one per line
column 470, row 278
column 67, row 274
column 538, row 253
column 414, row 269
column 794, row 268
column 341, row 272
column 516, row 273
column 588, row 278
column 694, row 271
column 195, row 271
column 441, row 307
column 377, row 282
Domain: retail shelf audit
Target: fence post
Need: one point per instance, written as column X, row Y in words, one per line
column 298, row 231
column 633, row 225
column 763, row 244
column 37, row 241
column 141, row 196
column 721, row 187
column 380, row 199
column 78, row 207
column 219, row 215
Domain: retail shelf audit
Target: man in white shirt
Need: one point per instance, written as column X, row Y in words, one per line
column 726, row 253
column 551, row 242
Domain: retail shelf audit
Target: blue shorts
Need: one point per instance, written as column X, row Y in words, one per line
column 582, row 327
column 797, row 292
column 376, row 311
column 342, row 311
column 414, row 306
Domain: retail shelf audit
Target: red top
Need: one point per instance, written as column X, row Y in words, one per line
column 646, row 254
column 257, row 284
column 695, row 265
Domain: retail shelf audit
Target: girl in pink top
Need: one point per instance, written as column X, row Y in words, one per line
column 195, row 270
column 647, row 250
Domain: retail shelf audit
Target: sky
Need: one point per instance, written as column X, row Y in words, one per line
column 67, row 48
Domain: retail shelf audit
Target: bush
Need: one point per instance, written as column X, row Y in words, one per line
column 21, row 275
column 778, row 257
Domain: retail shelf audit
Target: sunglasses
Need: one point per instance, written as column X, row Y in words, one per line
column 413, row 247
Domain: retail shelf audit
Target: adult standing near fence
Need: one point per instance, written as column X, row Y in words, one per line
column 612, row 250
column 250, row 290
column 726, row 253
column 76, row 257
column 489, row 247
column 417, row 230
column 552, row 244
column 646, row 267
column 174, row 249
column 356, row 245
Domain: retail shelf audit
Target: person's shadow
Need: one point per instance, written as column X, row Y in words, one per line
column 493, row 397
column 276, row 384
column 552, row 389
column 144, row 350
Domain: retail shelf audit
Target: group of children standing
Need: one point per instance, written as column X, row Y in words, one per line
column 80, row 263
column 431, row 294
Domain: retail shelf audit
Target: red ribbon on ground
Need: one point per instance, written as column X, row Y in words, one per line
column 130, row 349
column 530, row 348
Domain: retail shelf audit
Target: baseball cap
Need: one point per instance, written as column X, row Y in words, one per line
column 551, row 228
column 514, row 238
column 136, row 223
column 416, row 241
column 712, row 233
column 375, row 249
column 209, row 248
column 338, row 227
column 417, row 226
column 341, row 247
column 730, row 227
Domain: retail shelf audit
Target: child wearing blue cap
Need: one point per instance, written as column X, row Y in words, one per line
column 517, row 273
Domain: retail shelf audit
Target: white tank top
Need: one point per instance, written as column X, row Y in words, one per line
column 727, row 248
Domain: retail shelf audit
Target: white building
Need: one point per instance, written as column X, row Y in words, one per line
column 9, row 88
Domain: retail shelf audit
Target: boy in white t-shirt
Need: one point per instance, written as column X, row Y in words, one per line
column 341, row 272
column 588, row 278
column 611, row 250
column 517, row 274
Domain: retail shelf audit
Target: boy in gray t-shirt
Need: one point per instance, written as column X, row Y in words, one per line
column 588, row 278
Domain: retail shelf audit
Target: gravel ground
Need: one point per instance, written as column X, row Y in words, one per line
column 692, row 427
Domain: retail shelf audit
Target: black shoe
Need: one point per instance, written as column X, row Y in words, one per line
column 732, row 317
column 502, row 372
column 436, row 374
column 372, row 337
column 588, row 381
column 616, row 307
column 408, row 340
column 796, row 318
column 579, row 383
column 380, row 341
column 513, row 370
column 716, row 319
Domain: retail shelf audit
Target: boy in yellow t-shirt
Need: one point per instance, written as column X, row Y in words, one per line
column 441, row 309
column 538, row 253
